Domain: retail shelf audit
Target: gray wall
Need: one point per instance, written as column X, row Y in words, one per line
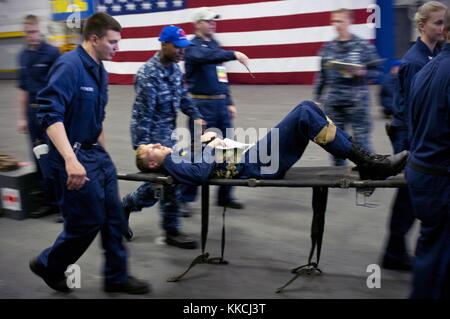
column 12, row 13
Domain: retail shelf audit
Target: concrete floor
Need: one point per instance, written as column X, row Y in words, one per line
column 264, row 241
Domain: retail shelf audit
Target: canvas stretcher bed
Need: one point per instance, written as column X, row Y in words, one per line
column 320, row 179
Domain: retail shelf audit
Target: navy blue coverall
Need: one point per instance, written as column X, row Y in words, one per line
column 295, row 131
column 34, row 68
column 387, row 93
column 428, row 176
column 402, row 215
column 76, row 95
column 208, row 84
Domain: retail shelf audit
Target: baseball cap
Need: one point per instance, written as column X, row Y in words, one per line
column 204, row 14
column 174, row 35
column 396, row 63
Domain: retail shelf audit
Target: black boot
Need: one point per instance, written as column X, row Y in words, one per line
column 127, row 233
column 377, row 167
column 180, row 240
column 131, row 286
column 58, row 284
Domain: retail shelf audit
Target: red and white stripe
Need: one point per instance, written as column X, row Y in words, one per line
column 282, row 37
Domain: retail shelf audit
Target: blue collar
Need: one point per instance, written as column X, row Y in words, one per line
column 161, row 67
column 426, row 50
column 87, row 60
column 446, row 47
column 40, row 48
column 90, row 64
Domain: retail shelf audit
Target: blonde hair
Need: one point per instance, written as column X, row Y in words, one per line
column 142, row 159
column 424, row 12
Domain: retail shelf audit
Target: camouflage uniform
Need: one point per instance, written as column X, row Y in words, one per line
column 159, row 94
column 347, row 100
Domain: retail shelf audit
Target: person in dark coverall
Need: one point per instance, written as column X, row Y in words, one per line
column 160, row 93
column 428, row 174
column 72, row 110
column 291, row 136
column 208, row 84
column 388, row 89
column 347, row 100
column 35, row 60
column 430, row 23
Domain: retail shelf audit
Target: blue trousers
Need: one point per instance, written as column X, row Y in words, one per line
column 95, row 208
column 216, row 115
column 358, row 117
column 37, row 137
column 402, row 215
column 295, row 131
column 144, row 197
column 431, row 200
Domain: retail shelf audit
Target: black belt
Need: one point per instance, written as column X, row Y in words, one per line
column 88, row 146
column 435, row 170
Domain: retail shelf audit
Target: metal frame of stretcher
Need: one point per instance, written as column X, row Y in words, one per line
column 320, row 179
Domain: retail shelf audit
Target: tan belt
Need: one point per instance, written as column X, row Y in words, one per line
column 209, row 97
column 34, row 105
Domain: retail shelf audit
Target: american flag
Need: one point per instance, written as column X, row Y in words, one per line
column 282, row 37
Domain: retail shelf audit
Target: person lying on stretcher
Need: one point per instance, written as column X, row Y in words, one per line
column 285, row 144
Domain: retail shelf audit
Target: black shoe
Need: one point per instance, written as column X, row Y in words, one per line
column 180, row 240
column 403, row 265
column 56, row 284
column 127, row 233
column 59, row 219
column 231, row 204
column 185, row 209
column 42, row 211
column 132, row 286
column 377, row 167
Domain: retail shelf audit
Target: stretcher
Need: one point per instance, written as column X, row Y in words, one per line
column 320, row 179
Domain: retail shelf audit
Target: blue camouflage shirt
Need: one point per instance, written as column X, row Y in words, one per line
column 342, row 89
column 160, row 93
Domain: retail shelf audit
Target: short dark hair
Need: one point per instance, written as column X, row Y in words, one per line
column 349, row 12
column 99, row 24
column 31, row 19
